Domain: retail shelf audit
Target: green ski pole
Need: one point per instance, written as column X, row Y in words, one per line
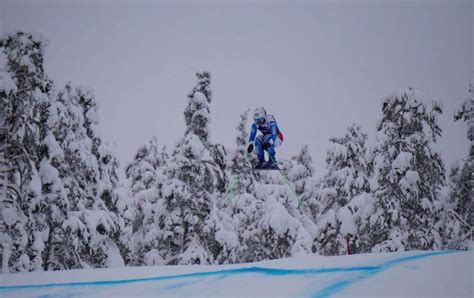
column 300, row 201
column 236, row 181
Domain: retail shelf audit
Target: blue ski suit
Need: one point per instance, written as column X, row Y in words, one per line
column 271, row 135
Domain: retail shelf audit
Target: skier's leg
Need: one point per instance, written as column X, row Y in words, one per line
column 259, row 150
column 271, row 151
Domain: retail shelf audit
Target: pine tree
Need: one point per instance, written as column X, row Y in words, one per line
column 50, row 209
column 240, row 161
column 107, row 242
column 94, row 227
column 58, row 216
column 147, row 176
column 409, row 174
column 460, row 204
column 24, row 92
column 188, row 205
column 187, row 227
column 197, row 113
column 457, row 233
column 301, row 172
column 346, row 178
column 238, row 201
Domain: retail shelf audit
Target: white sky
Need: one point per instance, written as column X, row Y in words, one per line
column 317, row 66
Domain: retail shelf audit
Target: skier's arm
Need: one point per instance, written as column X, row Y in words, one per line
column 253, row 133
column 274, row 129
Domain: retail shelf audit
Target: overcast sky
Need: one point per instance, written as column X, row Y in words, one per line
column 317, row 66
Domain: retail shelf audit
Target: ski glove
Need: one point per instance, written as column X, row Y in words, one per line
column 265, row 146
column 250, row 148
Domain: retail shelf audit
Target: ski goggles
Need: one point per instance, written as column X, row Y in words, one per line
column 260, row 121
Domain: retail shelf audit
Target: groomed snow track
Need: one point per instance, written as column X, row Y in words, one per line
column 235, row 280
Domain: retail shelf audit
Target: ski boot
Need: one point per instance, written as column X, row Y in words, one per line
column 271, row 164
column 260, row 165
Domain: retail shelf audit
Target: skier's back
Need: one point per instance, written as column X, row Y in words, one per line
column 270, row 138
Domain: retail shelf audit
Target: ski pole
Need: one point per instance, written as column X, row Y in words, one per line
column 300, row 202
column 236, row 180
column 231, row 193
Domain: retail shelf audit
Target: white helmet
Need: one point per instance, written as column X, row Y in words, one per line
column 259, row 115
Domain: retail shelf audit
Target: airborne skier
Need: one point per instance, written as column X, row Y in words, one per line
column 270, row 138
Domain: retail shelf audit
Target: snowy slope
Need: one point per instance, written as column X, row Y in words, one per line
column 409, row 274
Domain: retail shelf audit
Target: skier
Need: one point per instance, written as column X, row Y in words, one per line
column 270, row 138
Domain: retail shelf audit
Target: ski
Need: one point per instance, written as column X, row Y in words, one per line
column 267, row 169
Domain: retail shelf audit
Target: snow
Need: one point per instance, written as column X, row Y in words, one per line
column 328, row 219
column 409, row 181
column 348, row 225
column 6, row 80
column 54, row 148
column 25, row 60
column 114, row 258
column 402, row 162
column 228, row 238
column 403, row 274
column 6, row 251
column 199, row 97
column 96, row 218
column 75, row 225
column 245, row 202
column 9, row 216
column 123, row 198
column 38, row 243
column 278, row 218
column 153, row 258
column 147, row 195
column 415, row 97
column 3, row 61
column 441, row 276
column 193, row 146
column 48, row 173
column 42, row 97
column 337, row 150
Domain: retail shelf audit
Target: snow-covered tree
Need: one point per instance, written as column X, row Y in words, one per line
column 460, row 206
column 50, row 209
column 58, row 216
column 147, row 176
column 107, row 243
column 457, row 231
column 238, row 201
column 301, row 171
column 24, row 86
column 346, row 178
column 188, row 204
column 187, row 224
column 107, row 163
column 408, row 173
column 239, row 164
column 197, row 112
column 95, row 227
